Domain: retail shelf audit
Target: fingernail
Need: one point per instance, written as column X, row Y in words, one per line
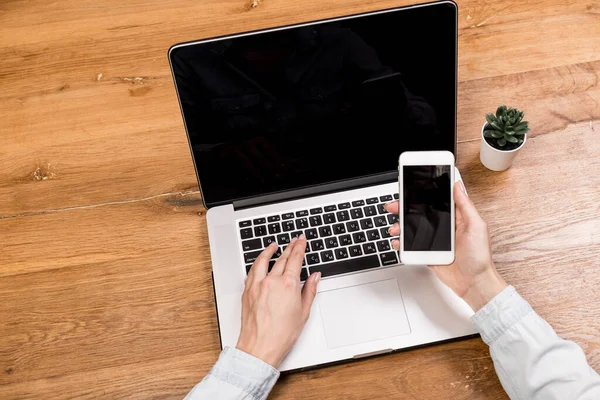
column 302, row 236
column 390, row 230
column 273, row 244
column 317, row 277
column 462, row 186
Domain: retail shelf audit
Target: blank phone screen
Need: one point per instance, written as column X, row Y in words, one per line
column 426, row 208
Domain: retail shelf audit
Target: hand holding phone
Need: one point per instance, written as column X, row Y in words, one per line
column 426, row 179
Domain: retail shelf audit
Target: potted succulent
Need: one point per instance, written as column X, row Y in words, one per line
column 502, row 136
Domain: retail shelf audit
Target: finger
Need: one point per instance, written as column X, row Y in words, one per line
column 294, row 263
column 393, row 207
column 464, row 205
column 396, row 244
column 261, row 264
column 394, row 229
column 279, row 266
column 309, row 292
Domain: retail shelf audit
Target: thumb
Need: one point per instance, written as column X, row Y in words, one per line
column 464, row 206
column 309, row 292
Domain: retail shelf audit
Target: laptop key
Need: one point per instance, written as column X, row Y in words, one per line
column 250, row 257
column 345, row 240
column 312, row 258
column 303, row 275
column 316, row 220
column 267, row 240
column 331, row 242
column 369, row 248
column 370, row 211
column 325, row 231
column 302, row 213
column 246, row 233
column 380, row 220
column 344, row 206
column 295, row 234
column 271, row 265
column 277, row 254
column 248, row 268
column 359, row 237
column 244, row 224
column 288, row 226
column 383, row 245
column 317, row 210
column 273, row 218
column 388, row 258
column 338, row 229
column 330, row 208
column 284, row 238
column 251, row 244
column 366, row 223
column 343, row 216
column 392, row 218
column 302, row 223
column 327, row 256
column 341, row 253
column 260, row 230
column 352, row 226
column 329, row 218
column 381, row 208
column 356, row 213
column 372, row 200
column 346, row 266
column 274, row 228
column 259, row 221
column 396, row 196
column 387, row 197
column 385, row 233
column 355, row 251
column 317, row 245
column 311, row 233
column 288, row 216
column 358, row 203
column 373, row 234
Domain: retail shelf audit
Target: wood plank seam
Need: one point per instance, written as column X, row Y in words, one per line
column 110, row 203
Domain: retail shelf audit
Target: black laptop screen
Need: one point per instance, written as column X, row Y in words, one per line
column 315, row 104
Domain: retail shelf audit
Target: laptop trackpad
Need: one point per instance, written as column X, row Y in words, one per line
column 363, row 313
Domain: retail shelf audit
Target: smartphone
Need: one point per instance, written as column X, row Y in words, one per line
column 426, row 179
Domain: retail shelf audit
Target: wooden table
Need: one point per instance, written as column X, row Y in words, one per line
column 105, row 287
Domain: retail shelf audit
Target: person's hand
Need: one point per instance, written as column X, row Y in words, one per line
column 472, row 275
column 275, row 307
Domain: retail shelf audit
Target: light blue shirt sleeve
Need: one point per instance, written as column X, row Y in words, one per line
column 531, row 361
column 236, row 375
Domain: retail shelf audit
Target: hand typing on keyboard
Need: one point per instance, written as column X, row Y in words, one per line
column 473, row 275
column 275, row 307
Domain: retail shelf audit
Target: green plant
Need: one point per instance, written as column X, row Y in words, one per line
column 505, row 130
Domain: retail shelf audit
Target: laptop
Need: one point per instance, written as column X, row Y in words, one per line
column 298, row 129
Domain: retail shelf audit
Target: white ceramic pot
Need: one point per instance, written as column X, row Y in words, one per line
column 494, row 159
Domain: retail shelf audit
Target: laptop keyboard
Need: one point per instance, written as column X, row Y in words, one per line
column 340, row 238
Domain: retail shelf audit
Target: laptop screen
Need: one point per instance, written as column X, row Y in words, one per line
column 308, row 105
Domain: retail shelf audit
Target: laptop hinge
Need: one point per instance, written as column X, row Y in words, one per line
column 315, row 190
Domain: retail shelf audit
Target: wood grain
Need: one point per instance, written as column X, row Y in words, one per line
column 105, row 278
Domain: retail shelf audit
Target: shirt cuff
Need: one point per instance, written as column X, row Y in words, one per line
column 505, row 310
column 247, row 372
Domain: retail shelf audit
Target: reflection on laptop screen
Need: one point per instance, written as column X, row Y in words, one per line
column 309, row 105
